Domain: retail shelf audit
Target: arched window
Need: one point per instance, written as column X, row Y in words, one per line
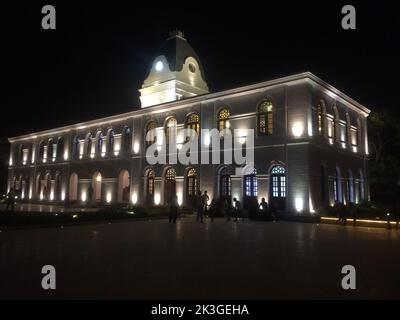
column 99, row 143
column 277, row 188
column 42, row 151
column 170, row 129
column 250, row 184
column 348, row 129
column 278, row 179
column 335, row 124
column 95, row 193
column 73, row 187
column 150, row 134
column 75, row 147
column 126, row 140
column 89, row 147
column 350, row 188
column 124, row 184
column 265, row 118
column 361, row 186
column 170, row 184
column 321, row 117
column 50, row 151
column 193, row 122
column 58, row 186
column 337, row 186
column 225, row 184
column 150, row 187
column 110, row 146
column 223, row 119
column 191, row 182
column 60, row 149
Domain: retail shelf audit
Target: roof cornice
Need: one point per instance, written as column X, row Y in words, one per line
column 206, row 98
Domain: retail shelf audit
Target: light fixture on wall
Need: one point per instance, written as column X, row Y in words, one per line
column 134, row 198
column 136, row 147
column 242, row 140
column 109, row 197
column 66, row 155
column 207, row 139
column 297, row 129
column 157, row 199
column 83, row 197
column 180, row 200
column 52, row 195
column 299, row 204
column 63, row 196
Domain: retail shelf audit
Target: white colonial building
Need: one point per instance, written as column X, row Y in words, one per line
column 310, row 144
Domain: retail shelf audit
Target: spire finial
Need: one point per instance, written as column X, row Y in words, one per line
column 176, row 33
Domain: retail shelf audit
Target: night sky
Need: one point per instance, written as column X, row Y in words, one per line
column 96, row 60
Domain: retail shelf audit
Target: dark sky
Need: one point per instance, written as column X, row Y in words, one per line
column 96, row 60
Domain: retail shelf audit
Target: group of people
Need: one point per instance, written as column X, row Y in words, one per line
column 221, row 207
column 349, row 212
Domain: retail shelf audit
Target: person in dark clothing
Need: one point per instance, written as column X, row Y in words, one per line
column 204, row 201
column 353, row 212
column 238, row 209
column 10, row 200
column 213, row 209
column 90, row 193
column 263, row 208
column 173, row 209
column 200, row 207
column 227, row 209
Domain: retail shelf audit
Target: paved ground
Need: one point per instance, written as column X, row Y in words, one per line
column 251, row 260
column 27, row 207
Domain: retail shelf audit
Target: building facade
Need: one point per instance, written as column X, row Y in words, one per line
column 310, row 144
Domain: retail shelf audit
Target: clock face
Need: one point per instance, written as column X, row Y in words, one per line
column 159, row 66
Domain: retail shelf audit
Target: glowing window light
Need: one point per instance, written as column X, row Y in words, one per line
column 228, row 124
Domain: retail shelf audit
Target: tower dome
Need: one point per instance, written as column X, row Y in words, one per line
column 176, row 73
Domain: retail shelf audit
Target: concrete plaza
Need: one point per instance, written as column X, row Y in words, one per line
column 189, row 260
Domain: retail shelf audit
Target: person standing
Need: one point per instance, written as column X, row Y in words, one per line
column 213, row 209
column 10, row 200
column 90, row 193
column 263, row 208
column 199, row 207
column 238, row 209
column 204, row 201
column 173, row 209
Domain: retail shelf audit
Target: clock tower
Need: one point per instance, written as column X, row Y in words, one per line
column 176, row 73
